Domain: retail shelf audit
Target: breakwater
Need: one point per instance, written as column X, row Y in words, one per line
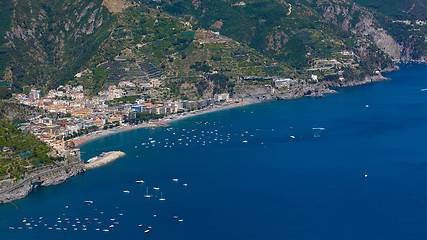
column 104, row 159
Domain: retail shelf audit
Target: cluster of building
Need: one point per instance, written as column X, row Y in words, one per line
column 171, row 107
column 75, row 112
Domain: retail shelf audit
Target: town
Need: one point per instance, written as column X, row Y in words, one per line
column 71, row 114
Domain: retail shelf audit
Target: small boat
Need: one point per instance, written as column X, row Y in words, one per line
column 147, row 195
column 181, row 220
column 161, row 197
column 156, row 188
column 106, row 230
column 244, row 141
column 175, row 180
column 147, row 231
column 87, row 201
column 126, row 191
column 366, row 174
column 185, row 184
column 292, row 136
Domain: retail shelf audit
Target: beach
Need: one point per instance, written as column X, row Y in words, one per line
column 78, row 141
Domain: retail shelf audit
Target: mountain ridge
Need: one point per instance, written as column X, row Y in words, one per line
column 51, row 41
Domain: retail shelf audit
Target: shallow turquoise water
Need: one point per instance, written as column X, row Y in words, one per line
column 270, row 187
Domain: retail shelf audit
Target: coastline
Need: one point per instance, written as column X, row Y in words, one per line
column 79, row 141
column 19, row 190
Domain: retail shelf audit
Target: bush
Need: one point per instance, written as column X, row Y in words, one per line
column 5, row 92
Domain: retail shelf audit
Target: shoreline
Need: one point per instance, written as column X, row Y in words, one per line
column 18, row 190
column 79, row 141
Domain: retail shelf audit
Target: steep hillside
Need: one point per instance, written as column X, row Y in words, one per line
column 399, row 39
column 399, row 9
column 189, row 45
column 49, row 41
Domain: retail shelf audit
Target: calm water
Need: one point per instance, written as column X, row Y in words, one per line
column 250, row 179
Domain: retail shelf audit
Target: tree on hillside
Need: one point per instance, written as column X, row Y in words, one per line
column 5, row 92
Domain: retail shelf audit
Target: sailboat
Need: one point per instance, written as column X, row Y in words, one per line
column 147, row 195
column 161, row 197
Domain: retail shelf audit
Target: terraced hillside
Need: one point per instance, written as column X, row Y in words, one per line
column 46, row 43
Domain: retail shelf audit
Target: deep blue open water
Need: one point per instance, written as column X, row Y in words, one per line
column 250, row 179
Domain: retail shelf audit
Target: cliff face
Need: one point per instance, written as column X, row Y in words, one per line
column 400, row 41
column 10, row 190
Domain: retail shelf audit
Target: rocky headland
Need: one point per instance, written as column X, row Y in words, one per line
column 11, row 190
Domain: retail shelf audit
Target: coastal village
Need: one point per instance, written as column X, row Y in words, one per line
column 77, row 114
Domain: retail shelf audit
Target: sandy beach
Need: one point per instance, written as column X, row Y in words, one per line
column 78, row 141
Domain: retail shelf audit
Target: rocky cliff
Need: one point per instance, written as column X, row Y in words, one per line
column 12, row 190
column 401, row 40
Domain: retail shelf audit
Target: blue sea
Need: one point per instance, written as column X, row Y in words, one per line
column 351, row 165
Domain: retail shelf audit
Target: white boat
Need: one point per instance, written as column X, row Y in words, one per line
column 147, row 231
column 366, row 174
column 185, row 184
column 161, row 197
column 245, row 141
column 175, row 180
column 94, row 159
column 139, row 181
column 126, row 191
column 88, row 201
column 147, row 195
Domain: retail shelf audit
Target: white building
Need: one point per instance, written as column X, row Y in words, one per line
column 314, row 77
column 283, row 82
column 34, row 94
column 221, row 97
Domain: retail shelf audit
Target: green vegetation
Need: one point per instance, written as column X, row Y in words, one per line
column 20, row 152
column 5, row 92
column 126, row 99
column 6, row 9
column 263, row 38
column 57, row 47
column 400, row 9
